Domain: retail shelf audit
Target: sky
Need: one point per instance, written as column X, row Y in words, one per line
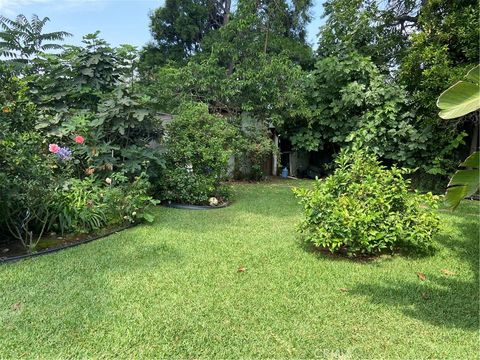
column 119, row 21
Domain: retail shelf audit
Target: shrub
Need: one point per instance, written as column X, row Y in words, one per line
column 89, row 204
column 27, row 183
column 365, row 208
column 78, row 207
column 196, row 157
column 253, row 146
column 128, row 200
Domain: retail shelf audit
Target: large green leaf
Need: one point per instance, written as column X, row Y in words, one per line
column 473, row 75
column 464, row 182
column 459, row 99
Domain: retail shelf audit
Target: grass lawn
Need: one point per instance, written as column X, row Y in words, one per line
column 172, row 289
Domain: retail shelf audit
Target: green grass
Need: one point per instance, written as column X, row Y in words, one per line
column 172, row 289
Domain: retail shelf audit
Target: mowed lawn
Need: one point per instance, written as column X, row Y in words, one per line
column 173, row 289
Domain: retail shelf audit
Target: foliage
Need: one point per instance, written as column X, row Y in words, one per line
column 355, row 105
column 458, row 100
column 95, row 95
column 197, row 153
column 21, row 39
column 178, row 28
column 129, row 200
column 365, row 208
column 421, row 46
column 77, row 207
column 265, row 27
column 461, row 98
column 87, row 205
column 253, row 146
column 442, row 50
column 17, row 112
column 27, row 184
column 362, row 26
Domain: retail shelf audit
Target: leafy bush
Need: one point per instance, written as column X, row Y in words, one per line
column 197, row 155
column 365, row 208
column 253, row 146
column 128, row 200
column 27, row 183
column 78, row 207
column 88, row 205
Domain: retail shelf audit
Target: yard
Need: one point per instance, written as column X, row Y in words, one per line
column 236, row 283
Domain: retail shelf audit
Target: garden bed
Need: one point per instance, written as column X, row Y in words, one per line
column 195, row 207
column 53, row 243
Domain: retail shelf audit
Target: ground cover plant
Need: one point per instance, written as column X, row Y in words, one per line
column 236, row 282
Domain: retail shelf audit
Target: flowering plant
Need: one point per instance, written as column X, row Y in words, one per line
column 64, row 153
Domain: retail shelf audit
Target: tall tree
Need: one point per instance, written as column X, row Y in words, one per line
column 179, row 27
column 375, row 28
column 21, row 39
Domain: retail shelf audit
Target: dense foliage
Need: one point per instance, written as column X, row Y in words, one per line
column 64, row 137
column 364, row 208
column 233, row 76
column 196, row 155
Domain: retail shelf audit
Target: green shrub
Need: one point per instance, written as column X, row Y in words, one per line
column 78, row 207
column 89, row 204
column 365, row 208
column 27, row 183
column 252, row 148
column 128, row 200
column 197, row 153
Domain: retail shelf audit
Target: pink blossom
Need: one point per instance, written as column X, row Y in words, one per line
column 79, row 139
column 53, row 148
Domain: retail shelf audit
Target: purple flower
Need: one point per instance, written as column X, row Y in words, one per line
column 64, row 153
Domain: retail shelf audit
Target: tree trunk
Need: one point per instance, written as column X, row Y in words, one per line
column 226, row 11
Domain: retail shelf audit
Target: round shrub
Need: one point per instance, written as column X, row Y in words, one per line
column 197, row 154
column 365, row 208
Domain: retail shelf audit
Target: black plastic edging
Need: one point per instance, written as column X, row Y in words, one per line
column 63, row 247
column 194, row 207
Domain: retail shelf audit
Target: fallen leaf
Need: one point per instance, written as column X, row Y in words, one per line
column 448, row 272
column 16, row 307
column 421, row 276
column 425, row 296
column 343, row 289
column 242, row 269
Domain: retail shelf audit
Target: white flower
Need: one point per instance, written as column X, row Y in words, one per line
column 108, row 181
column 134, row 213
column 213, row 201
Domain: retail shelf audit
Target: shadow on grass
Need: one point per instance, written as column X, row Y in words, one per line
column 442, row 300
column 447, row 302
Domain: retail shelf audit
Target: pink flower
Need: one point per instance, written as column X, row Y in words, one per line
column 53, row 148
column 79, row 139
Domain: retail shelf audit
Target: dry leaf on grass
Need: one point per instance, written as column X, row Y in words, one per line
column 242, row 269
column 448, row 272
column 16, row 307
column 421, row 276
column 343, row 289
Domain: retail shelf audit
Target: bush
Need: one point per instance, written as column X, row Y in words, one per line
column 365, row 208
column 197, row 155
column 83, row 206
column 253, row 147
column 27, row 183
